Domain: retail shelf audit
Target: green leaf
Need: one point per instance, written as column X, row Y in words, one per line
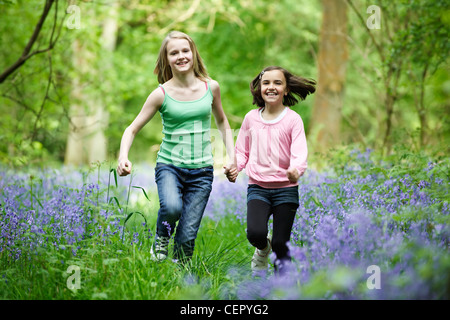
column 145, row 193
column 117, row 201
column 317, row 202
column 115, row 175
column 131, row 214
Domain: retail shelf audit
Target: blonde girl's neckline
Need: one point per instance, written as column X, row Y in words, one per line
column 277, row 119
column 208, row 86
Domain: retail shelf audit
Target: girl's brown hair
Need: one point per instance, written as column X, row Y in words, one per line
column 299, row 86
column 163, row 69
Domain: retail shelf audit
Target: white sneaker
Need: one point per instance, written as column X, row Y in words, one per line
column 159, row 250
column 260, row 259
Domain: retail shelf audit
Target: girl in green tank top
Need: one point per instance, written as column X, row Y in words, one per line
column 186, row 127
column 185, row 99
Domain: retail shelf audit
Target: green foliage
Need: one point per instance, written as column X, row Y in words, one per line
column 236, row 40
column 409, row 65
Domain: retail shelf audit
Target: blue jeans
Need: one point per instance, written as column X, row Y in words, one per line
column 183, row 195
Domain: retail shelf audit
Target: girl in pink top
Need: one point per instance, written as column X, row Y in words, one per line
column 271, row 146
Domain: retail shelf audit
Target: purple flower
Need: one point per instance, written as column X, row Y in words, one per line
column 169, row 228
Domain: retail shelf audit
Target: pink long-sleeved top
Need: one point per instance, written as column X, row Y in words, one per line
column 266, row 149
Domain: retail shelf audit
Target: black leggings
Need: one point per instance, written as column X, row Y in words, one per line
column 258, row 214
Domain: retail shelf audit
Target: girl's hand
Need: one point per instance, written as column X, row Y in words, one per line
column 292, row 174
column 231, row 172
column 124, row 167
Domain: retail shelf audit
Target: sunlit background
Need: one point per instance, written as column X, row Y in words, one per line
column 381, row 66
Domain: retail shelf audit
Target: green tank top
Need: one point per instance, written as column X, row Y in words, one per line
column 186, row 129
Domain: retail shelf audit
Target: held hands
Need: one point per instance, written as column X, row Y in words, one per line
column 292, row 174
column 231, row 172
column 124, row 167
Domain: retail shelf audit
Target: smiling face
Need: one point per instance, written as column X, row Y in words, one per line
column 273, row 87
column 179, row 55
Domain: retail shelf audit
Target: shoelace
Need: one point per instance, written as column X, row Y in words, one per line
column 161, row 244
column 261, row 255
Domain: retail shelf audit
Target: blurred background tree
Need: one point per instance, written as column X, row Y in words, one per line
column 70, row 102
column 325, row 126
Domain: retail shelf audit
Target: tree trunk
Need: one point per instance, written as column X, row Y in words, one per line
column 86, row 142
column 75, row 148
column 391, row 87
column 332, row 60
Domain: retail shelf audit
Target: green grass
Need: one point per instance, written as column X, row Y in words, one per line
column 117, row 267
column 124, row 271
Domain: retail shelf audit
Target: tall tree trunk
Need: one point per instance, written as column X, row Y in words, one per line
column 86, row 142
column 421, row 109
column 391, row 87
column 332, row 60
column 76, row 148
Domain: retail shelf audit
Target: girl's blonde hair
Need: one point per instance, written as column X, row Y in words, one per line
column 163, row 69
column 299, row 86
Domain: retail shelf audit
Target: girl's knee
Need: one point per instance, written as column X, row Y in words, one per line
column 257, row 238
column 171, row 210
